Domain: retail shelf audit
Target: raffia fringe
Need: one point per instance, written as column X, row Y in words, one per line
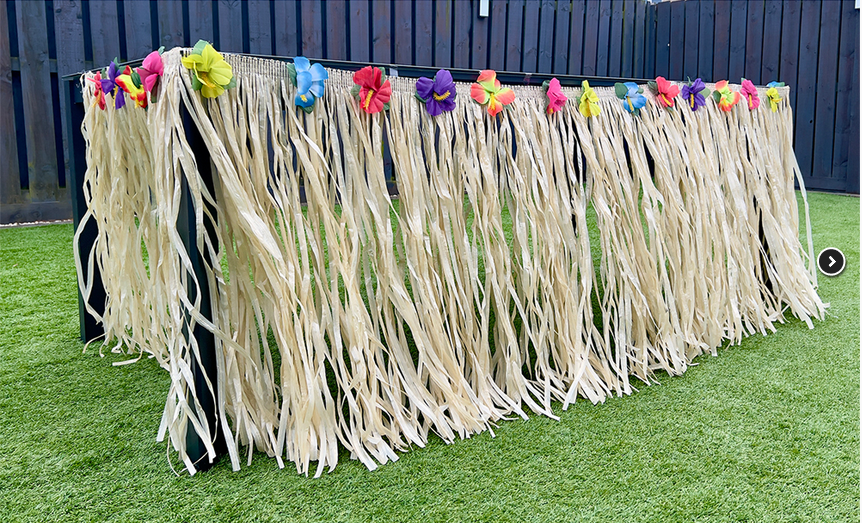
column 359, row 321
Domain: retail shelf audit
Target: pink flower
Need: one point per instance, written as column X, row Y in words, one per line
column 750, row 93
column 151, row 70
column 666, row 92
column 556, row 98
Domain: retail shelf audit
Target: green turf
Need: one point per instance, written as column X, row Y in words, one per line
column 767, row 431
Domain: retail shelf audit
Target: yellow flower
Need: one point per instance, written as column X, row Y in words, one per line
column 211, row 71
column 589, row 101
column 772, row 94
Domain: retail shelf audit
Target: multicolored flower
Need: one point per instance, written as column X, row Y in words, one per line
column 151, row 70
column 695, row 93
column 211, row 74
column 556, row 98
column 750, row 93
column 631, row 95
column 773, row 97
column 132, row 85
column 109, row 84
column 664, row 91
column 724, row 97
column 98, row 95
column 372, row 90
column 438, row 94
column 309, row 81
column 588, row 102
column 489, row 91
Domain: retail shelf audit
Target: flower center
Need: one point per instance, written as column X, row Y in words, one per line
column 441, row 97
column 303, row 98
column 631, row 107
column 749, row 100
column 666, row 101
column 692, row 101
column 367, row 103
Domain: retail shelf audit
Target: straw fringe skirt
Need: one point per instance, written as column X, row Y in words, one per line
column 345, row 318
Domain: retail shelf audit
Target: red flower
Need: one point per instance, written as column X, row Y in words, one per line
column 374, row 93
column 666, row 92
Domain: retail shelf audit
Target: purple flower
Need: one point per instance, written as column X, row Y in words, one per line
column 110, row 85
column 695, row 94
column 438, row 94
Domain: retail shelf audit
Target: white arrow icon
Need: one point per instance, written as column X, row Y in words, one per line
column 831, row 261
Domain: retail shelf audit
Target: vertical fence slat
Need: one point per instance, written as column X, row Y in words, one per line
column 591, row 37
column 546, row 36
column 754, row 41
column 139, row 33
column 561, row 38
column 677, row 40
column 229, row 26
column 602, row 51
column 807, row 84
column 639, row 47
column 705, row 37
column 461, row 34
column 479, row 56
column 403, row 37
column 676, row 50
column 771, row 43
column 827, row 76
column 845, row 96
column 36, row 90
column 443, row 28
column 201, row 23
column 576, row 32
column 359, row 34
column 721, row 57
column 649, row 49
column 381, row 43
column 853, row 167
column 530, row 57
column 789, row 63
column 662, row 40
column 627, row 64
column 10, row 186
column 616, row 43
column 336, row 29
column 692, row 39
column 424, row 32
column 497, row 37
column 104, row 32
column 171, row 32
column 736, row 61
column 259, row 27
column 69, row 41
column 513, row 38
column 312, row 29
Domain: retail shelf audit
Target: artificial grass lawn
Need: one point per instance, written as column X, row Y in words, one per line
column 766, row 431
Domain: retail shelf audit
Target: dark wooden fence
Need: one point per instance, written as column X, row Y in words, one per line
column 811, row 45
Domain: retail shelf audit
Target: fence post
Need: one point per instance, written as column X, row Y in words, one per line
column 206, row 366
column 89, row 328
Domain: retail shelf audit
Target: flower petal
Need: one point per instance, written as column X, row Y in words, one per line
column 478, row 93
column 365, row 77
column 424, row 88
column 301, row 63
column 317, row 89
column 303, row 82
column 318, row 73
column 505, row 96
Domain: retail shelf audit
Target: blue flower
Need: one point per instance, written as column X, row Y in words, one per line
column 631, row 96
column 309, row 82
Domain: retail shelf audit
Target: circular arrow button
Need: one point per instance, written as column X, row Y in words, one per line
column 831, row 261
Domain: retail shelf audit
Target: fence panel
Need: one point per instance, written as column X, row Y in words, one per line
column 812, row 45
